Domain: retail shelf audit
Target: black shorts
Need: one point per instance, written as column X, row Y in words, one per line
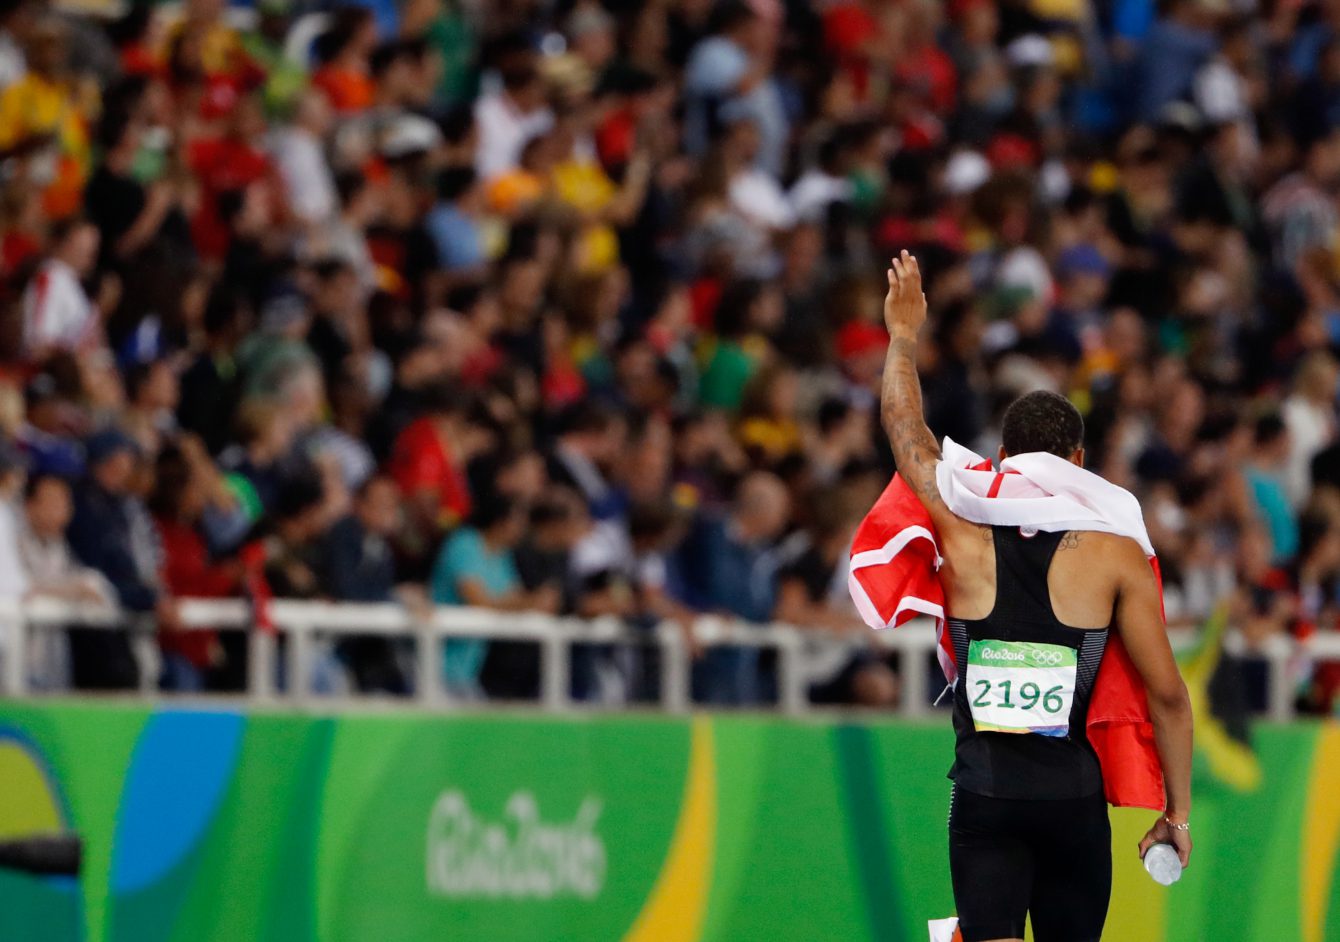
column 1051, row 860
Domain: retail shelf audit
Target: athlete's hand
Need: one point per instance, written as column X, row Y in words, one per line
column 1161, row 833
column 905, row 304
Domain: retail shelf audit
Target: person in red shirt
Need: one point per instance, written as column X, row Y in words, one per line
column 924, row 64
column 227, row 163
column 344, row 51
column 428, row 465
column 138, row 41
column 189, row 571
column 21, row 226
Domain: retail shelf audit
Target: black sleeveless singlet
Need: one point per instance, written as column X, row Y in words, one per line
column 1025, row 765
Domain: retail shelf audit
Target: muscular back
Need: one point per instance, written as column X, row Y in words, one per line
column 1085, row 580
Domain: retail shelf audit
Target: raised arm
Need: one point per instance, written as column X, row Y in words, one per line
column 915, row 449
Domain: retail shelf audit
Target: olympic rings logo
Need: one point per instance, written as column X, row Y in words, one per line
column 1047, row 658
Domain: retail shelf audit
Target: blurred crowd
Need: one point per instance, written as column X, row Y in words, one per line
column 575, row 307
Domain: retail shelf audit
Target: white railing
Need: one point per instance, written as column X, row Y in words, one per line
column 304, row 623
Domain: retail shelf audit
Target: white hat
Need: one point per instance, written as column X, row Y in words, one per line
column 965, row 171
column 1024, row 267
column 411, row 134
column 1030, row 50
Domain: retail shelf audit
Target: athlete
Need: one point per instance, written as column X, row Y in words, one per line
column 1028, row 826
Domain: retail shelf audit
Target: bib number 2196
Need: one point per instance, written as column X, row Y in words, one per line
column 1021, row 687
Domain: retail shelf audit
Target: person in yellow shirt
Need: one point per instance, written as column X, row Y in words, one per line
column 580, row 183
column 221, row 50
column 767, row 428
column 43, row 121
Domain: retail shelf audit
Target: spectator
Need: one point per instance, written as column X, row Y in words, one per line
column 265, row 438
column 428, row 464
column 754, row 193
column 558, row 520
column 154, row 392
column 44, row 436
column 731, row 568
column 451, row 36
column 400, row 67
column 1316, row 104
column 592, row 33
column 476, row 567
column 732, row 67
column 52, row 570
column 298, row 152
column 748, row 312
column 511, row 115
column 14, row 581
column 953, row 399
column 339, row 327
column 193, row 660
column 1222, row 86
column 134, row 220
column 358, row 566
column 343, row 51
column 656, row 530
column 1297, row 210
column 1308, row 43
column 210, row 387
column 1265, row 477
column 108, row 534
column 43, row 118
column 1174, row 51
column 16, row 21
column 53, row 573
column 590, row 441
column 343, row 442
column 236, row 179
column 362, row 203
column 581, row 184
column 291, row 539
column 842, row 440
column 1309, row 417
column 768, row 429
column 812, row 591
column 823, row 183
column 57, row 314
column 453, row 225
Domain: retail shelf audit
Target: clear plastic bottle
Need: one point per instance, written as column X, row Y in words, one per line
column 1163, row 864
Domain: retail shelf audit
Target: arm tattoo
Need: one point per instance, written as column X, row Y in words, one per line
column 915, row 450
column 1070, row 540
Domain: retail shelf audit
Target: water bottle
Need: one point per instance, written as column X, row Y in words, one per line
column 1163, row 864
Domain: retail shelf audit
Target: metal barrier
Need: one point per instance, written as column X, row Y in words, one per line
column 302, row 623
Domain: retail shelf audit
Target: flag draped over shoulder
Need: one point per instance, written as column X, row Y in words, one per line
column 895, row 561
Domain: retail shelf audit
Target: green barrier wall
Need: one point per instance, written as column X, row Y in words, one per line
column 207, row 825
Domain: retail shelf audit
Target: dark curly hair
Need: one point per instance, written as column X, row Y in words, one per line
column 1042, row 421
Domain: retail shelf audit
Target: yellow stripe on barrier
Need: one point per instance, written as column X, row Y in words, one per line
column 678, row 902
column 28, row 807
column 1321, row 834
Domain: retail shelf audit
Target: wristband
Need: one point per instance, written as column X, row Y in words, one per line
column 1185, row 826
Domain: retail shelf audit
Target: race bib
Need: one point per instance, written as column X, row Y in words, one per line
column 1021, row 687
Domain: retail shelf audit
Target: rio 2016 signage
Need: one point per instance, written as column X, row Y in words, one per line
column 521, row 857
